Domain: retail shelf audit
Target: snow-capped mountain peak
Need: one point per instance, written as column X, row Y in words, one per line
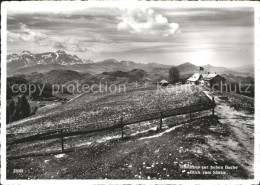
column 26, row 53
column 61, row 52
column 26, row 59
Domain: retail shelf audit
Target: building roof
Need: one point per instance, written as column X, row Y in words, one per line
column 210, row 76
column 163, row 82
column 194, row 77
column 197, row 76
column 204, row 75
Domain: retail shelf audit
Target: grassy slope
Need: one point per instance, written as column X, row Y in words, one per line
column 106, row 108
column 221, row 141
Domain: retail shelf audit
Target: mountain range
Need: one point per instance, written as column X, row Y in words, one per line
column 27, row 59
column 27, row 62
column 65, row 69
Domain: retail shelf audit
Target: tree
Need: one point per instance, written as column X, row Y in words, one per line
column 174, row 75
column 20, row 110
column 10, row 111
column 23, row 108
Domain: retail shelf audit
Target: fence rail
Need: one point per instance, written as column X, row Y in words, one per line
column 119, row 124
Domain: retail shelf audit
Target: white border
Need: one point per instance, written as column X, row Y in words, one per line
column 257, row 91
column 123, row 4
column 3, row 89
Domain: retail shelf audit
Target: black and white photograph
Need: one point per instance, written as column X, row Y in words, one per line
column 129, row 91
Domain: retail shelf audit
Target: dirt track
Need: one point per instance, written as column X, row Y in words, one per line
column 240, row 144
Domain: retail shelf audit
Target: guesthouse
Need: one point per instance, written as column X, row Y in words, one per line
column 195, row 79
column 212, row 79
column 206, row 79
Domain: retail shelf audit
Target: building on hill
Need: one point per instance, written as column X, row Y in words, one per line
column 195, row 79
column 212, row 79
column 206, row 79
column 164, row 83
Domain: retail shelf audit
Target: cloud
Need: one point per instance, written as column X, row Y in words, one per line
column 102, row 39
column 68, row 45
column 28, row 35
column 13, row 37
column 146, row 21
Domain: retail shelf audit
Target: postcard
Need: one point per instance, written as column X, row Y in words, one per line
column 130, row 92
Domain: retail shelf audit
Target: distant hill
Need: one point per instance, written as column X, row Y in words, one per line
column 40, row 68
column 136, row 75
column 16, row 80
column 55, row 77
column 187, row 67
column 69, row 76
column 27, row 62
column 234, row 78
column 245, row 68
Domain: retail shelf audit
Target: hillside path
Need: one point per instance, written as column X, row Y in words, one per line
column 240, row 145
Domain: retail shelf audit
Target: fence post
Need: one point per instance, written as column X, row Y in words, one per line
column 62, row 142
column 122, row 127
column 161, row 122
column 213, row 101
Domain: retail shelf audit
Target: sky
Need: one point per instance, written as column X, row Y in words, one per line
column 158, row 34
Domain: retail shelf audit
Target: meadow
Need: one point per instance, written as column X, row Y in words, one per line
column 96, row 109
column 144, row 152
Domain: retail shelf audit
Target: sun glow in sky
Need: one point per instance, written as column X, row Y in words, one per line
column 215, row 36
column 199, row 56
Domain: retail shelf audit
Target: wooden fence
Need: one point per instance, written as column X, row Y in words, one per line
column 119, row 124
